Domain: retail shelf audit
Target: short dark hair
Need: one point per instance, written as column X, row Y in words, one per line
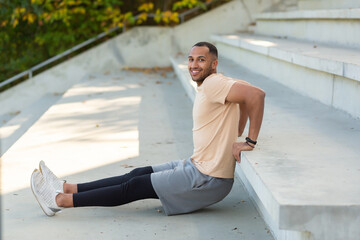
column 211, row 47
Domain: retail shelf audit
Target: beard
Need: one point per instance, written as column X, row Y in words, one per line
column 206, row 72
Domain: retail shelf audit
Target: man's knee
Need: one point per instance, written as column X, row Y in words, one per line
column 142, row 186
column 141, row 171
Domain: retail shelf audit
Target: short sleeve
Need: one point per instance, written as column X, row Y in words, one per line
column 216, row 87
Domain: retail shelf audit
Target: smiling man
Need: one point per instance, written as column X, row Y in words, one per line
column 221, row 109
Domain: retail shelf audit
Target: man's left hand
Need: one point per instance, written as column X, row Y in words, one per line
column 238, row 147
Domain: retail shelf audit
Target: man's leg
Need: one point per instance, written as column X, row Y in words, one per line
column 106, row 182
column 75, row 188
column 136, row 188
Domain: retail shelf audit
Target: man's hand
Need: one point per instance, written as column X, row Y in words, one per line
column 238, row 147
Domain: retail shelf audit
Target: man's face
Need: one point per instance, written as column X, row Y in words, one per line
column 201, row 64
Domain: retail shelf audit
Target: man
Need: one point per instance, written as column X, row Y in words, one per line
column 182, row 186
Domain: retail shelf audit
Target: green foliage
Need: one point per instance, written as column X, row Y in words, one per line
column 32, row 31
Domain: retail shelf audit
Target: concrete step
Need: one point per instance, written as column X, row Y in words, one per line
column 328, row 74
column 339, row 27
column 327, row 4
column 304, row 174
column 280, row 6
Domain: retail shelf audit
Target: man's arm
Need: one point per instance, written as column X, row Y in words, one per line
column 254, row 99
column 243, row 118
column 243, row 113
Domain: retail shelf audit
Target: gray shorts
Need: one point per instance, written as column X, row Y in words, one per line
column 182, row 188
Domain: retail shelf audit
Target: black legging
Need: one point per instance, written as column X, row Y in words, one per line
column 115, row 191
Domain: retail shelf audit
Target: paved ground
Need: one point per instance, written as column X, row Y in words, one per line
column 104, row 126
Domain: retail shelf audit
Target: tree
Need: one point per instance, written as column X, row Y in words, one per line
column 32, row 31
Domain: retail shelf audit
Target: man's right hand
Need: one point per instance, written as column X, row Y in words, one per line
column 238, row 147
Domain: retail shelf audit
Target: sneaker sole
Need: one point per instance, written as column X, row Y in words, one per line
column 43, row 206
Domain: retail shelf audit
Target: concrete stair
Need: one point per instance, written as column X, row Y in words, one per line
column 328, row 26
column 327, row 74
column 327, row 4
column 315, row 52
column 304, row 177
column 304, row 174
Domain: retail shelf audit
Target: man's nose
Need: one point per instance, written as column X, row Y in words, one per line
column 194, row 64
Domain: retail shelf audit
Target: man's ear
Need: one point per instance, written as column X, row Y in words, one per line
column 214, row 64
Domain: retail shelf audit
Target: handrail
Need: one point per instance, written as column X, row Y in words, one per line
column 30, row 71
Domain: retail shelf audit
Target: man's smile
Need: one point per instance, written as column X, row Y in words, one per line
column 194, row 72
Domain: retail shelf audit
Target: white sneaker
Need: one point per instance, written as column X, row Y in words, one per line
column 44, row 193
column 50, row 177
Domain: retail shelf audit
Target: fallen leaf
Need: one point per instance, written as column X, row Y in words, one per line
column 158, row 82
column 15, row 113
column 127, row 166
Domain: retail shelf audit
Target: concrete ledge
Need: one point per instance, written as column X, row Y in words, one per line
column 328, row 4
column 329, row 75
column 340, row 61
column 301, row 177
column 312, row 14
column 332, row 27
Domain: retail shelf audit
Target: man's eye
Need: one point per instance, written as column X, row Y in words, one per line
column 201, row 60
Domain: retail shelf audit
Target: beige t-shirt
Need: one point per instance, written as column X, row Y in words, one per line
column 215, row 127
